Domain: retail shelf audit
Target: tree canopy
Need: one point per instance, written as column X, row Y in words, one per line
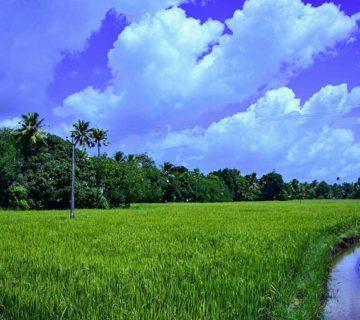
column 35, row 173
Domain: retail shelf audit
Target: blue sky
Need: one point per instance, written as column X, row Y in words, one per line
column 258, row 85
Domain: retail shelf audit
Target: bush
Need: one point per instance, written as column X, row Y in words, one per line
column 18, row 197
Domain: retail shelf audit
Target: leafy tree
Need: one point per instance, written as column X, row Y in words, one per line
column 337, row 191
column 356, row 190
column 33, row 168
column 153, row 178
column 314, row 184
column 272, row 186
column 131, row 158
column 187, row 186
column 347, row 189
column 145, row 161
column 306, row 191
column 18, row 197
column 175, row 183
column 293, row 189
column 213, row 189
column 152, row 185
column 323, row 190
column 171, row 186
column 252, row 189
column 10, row 164
column 44, row 179
column 171, row 189
column 233, row 181
column 167, row 168
column 46, row 184
column 124, row 183
column 119, row 157
column 177, row 170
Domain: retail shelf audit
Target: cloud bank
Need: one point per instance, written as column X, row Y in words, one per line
column 307, row 141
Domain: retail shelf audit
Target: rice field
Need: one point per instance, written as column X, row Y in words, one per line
column 175, row 261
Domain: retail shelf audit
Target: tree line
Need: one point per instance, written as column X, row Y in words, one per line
column 36, row 167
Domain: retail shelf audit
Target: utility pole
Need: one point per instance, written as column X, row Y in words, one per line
column 72, row 204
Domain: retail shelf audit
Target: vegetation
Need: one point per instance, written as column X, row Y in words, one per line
column 81, row 136
column 100, row 138
column 30, row 134
column 36, row 173
column 264, row 260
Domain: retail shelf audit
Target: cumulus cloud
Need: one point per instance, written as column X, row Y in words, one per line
column 270, row 42
column 89, row 104
column 277, row 132
column 171, row 68
column 154, row 63
column 36, row 36
column 135, row 9
column 157, row 59
column 39, row 33
column 10, row 123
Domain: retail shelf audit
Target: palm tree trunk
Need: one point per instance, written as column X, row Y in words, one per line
column 72, row 205
column 98, row 150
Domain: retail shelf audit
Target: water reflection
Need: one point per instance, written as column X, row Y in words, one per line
column 344, row 287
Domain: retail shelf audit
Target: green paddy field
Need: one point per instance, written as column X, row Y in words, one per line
column 265, row 260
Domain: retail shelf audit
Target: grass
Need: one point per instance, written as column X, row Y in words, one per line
column 176, row 261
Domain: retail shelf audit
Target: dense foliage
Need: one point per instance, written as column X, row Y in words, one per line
column 172, row 261
column 35, row 173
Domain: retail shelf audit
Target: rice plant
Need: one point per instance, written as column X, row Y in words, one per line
column 177, row 261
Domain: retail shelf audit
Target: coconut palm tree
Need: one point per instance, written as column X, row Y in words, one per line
column 81, row 136
column 167, row 168
column 120, row 157
column 100, row 138
column 30, row 133
column 131, row 158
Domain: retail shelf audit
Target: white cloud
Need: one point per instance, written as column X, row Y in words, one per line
column 271, row 40
column 157, row 57
column 89, row 104
column 10, row 123
column 62, row 129
column 154, row 63
column 172, row 68
column 135, row 9
column 277, row 132
column 36, row 34
column 155, row 60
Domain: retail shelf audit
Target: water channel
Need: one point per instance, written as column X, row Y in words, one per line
column 344, row 287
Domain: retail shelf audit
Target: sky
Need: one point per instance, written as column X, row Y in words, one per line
column 258, row 85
